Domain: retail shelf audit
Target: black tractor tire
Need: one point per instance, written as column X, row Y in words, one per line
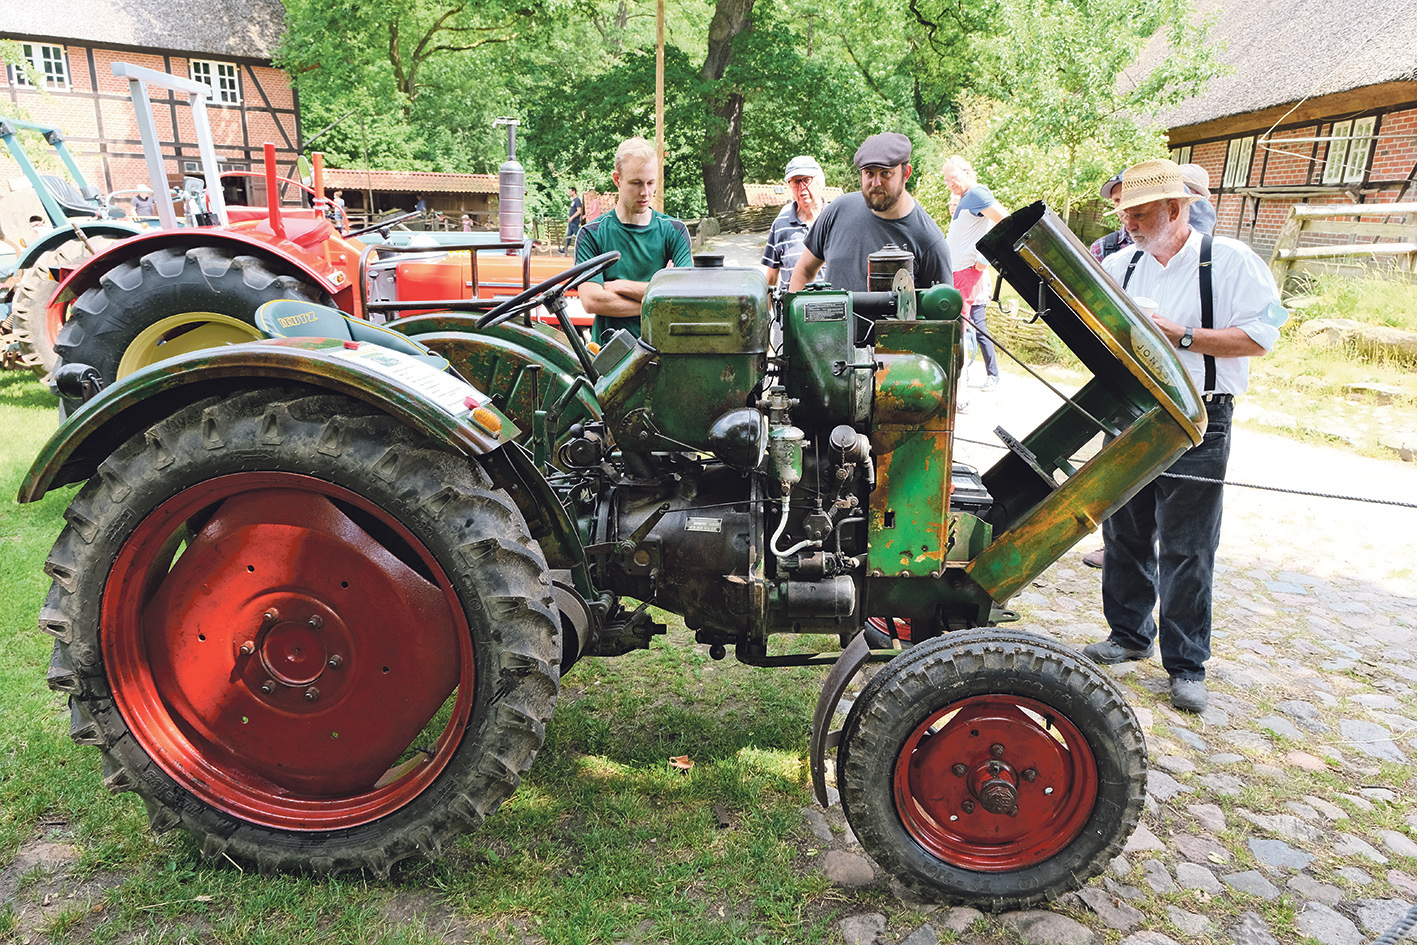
column 1060, row 727
column 424, row 516
column 139, row 306
column 30, row 305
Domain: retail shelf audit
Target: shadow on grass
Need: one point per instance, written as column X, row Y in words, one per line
column 23, row 389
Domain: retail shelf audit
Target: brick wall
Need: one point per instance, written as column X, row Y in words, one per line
column 1258, row 219
column 97, row 118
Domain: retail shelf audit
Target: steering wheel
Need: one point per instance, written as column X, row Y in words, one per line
column 545, row 293
column 392, row 221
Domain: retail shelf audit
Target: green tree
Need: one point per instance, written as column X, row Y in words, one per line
column 1071, row 103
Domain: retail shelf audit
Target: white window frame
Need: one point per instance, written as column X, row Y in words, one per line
column 1181, row 155
column 48, row 61
column 1239, row 155
column 1347, row 157
column 224, row 79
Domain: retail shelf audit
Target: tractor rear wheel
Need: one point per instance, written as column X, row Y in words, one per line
column 993, row 768
column 307, row 635
column 172, row 301
column 35, row 331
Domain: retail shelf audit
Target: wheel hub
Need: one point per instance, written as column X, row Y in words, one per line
column 996, row 786
column 286, row 656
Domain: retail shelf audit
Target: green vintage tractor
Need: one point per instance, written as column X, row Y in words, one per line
column 314, row 603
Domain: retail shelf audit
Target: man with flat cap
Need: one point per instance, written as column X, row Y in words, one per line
column 856, row 225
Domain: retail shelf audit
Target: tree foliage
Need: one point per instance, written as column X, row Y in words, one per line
column 1068, row 102
column 1044, row 95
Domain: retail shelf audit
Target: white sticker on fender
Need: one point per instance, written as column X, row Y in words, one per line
column 439, row 387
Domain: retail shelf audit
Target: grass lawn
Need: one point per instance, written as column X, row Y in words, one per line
column 603, row 842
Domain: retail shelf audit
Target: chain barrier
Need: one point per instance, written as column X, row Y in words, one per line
column 1244, row 485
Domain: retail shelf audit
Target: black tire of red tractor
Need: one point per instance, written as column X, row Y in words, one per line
column 106, row 319
column 944, row 670
column 31, row 302
column 475, row 532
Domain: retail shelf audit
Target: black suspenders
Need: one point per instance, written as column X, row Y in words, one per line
column 1207, row 301
column 1207, row 310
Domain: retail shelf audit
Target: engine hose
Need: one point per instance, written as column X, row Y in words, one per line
column 1399, row 928
column 782, row 527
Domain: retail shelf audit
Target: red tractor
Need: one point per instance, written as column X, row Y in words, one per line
column 181, row 289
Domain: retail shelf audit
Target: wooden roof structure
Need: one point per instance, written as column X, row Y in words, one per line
column 409, row 182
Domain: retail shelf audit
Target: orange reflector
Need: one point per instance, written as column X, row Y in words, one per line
column 593, row 347
column 486, row 419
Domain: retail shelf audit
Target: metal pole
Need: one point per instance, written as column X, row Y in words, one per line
column 659, row 104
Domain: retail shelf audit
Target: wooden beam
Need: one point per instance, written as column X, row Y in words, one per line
column 1333, row 252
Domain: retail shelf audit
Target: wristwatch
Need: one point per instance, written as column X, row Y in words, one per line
column 1188, row 337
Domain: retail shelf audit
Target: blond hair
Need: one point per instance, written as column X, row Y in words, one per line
column 956, row 166
column 637, row 149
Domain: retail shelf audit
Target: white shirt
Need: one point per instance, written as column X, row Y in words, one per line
column 1245, row 294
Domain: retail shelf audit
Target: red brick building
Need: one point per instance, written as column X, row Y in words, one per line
column 72, row 45
column 1321, row 107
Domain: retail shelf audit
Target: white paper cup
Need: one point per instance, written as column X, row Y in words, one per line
column 1149, row 307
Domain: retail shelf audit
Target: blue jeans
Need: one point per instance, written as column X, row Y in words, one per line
column 986, row 346
column 1161, row 545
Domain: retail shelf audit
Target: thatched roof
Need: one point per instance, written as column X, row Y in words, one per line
column 1287, row 51
column 245, row 29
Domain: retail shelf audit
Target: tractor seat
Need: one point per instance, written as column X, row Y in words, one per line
column 70, row 200
column 291, row 318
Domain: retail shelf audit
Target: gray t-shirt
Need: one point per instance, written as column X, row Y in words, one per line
column 847, row 232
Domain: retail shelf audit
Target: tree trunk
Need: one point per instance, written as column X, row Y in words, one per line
column 723, row 165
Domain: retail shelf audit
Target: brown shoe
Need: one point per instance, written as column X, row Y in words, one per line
column 1093, row 559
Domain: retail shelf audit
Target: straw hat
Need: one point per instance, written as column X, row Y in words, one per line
column 1152, row 180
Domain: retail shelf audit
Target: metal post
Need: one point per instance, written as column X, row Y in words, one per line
column 197, row 94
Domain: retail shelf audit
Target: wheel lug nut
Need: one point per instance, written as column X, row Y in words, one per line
column 315, row 622
column 1030, row 774
column 958, row 770
column 270, row 616
column 248, row 648
column 312, row 694
column 968, row 807
column 335, row 661
column 996, row 750
column 268, row 687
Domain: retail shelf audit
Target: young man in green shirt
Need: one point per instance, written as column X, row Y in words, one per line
column 646, row 239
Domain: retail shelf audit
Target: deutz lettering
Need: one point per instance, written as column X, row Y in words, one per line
column 304, row 318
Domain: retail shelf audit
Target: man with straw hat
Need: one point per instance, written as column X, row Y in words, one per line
column 1216, row 302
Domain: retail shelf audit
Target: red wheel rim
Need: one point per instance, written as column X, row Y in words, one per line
column 995, row 783
column 287, row 651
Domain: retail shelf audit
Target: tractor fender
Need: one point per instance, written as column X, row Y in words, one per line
column 286, row 256
column 853, row 656
column 437, row 407
column 96, row 429
column 58, row 237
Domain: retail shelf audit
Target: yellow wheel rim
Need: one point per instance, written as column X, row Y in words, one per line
column 180, row 334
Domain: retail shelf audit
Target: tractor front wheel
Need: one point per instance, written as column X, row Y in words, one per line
column 308, row 636
column 992, row 768
column 172, row 301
